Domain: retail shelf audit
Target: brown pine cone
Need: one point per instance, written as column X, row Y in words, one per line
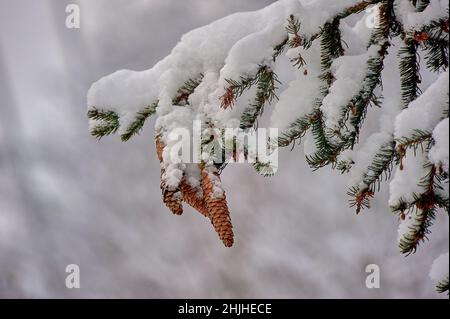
column 171, row 197
column 189, row 194
column 217, row 207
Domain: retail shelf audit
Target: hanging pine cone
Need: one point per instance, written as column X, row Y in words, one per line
column 216, row 204
column 188, row 193
column 213, row 204
column 172, row 197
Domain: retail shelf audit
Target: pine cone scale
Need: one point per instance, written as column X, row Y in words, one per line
column 190, row 196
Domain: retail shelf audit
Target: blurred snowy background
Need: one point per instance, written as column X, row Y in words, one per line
column 66, row 198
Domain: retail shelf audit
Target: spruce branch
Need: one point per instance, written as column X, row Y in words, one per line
column 279, row 49
column 102, row 115
column 379, row 170
column 185, row 91
column 296, row 130
column 420, row 5
column 104, row 129
column 265, row 169
column 423, row 211
column 331, row 48
column 296, row 40
column 419, row 139
column 344, row 166
column 267, row 81
column 355, row 112
column 137, row 125
column 442, row 285
column 293, row 29
column 430, row 41
column 366, row 96
column 437, row 58
column 409, row 71
column 263, row 78
column 331, row 45
column 108, row 122
column 294, row 25
column 326, row 153
column 360, row 198
column 434, row 39
column 418, row 231
column 235, row 88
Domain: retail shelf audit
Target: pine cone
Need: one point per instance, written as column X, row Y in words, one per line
column 171, row 197
column 217, row 207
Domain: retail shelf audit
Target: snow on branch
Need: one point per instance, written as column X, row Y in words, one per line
column 345, row 69
column 439, row 273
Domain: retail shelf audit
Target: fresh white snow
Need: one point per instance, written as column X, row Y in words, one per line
column 426, row 111
column 440, row 268
column 439, row 152
column 236, row 46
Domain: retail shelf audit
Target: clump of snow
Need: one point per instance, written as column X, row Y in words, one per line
column 349, row 72
column 363, row 158
column 382, row 138
column 172, row 175
column 426, row 111
column 347, row 156
column 299, row 98
column 125, row 91
column 422, row 114
column 439, row 152
column 413, row 20
column 237, row 45
column 361, row 32
column 406, row 182
column 409, row 225
column 257, row 48
column 356, row 37
column 440, row 268
column 295, row 102
column 217, row 191
column 233, row 46
column 315, row 13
